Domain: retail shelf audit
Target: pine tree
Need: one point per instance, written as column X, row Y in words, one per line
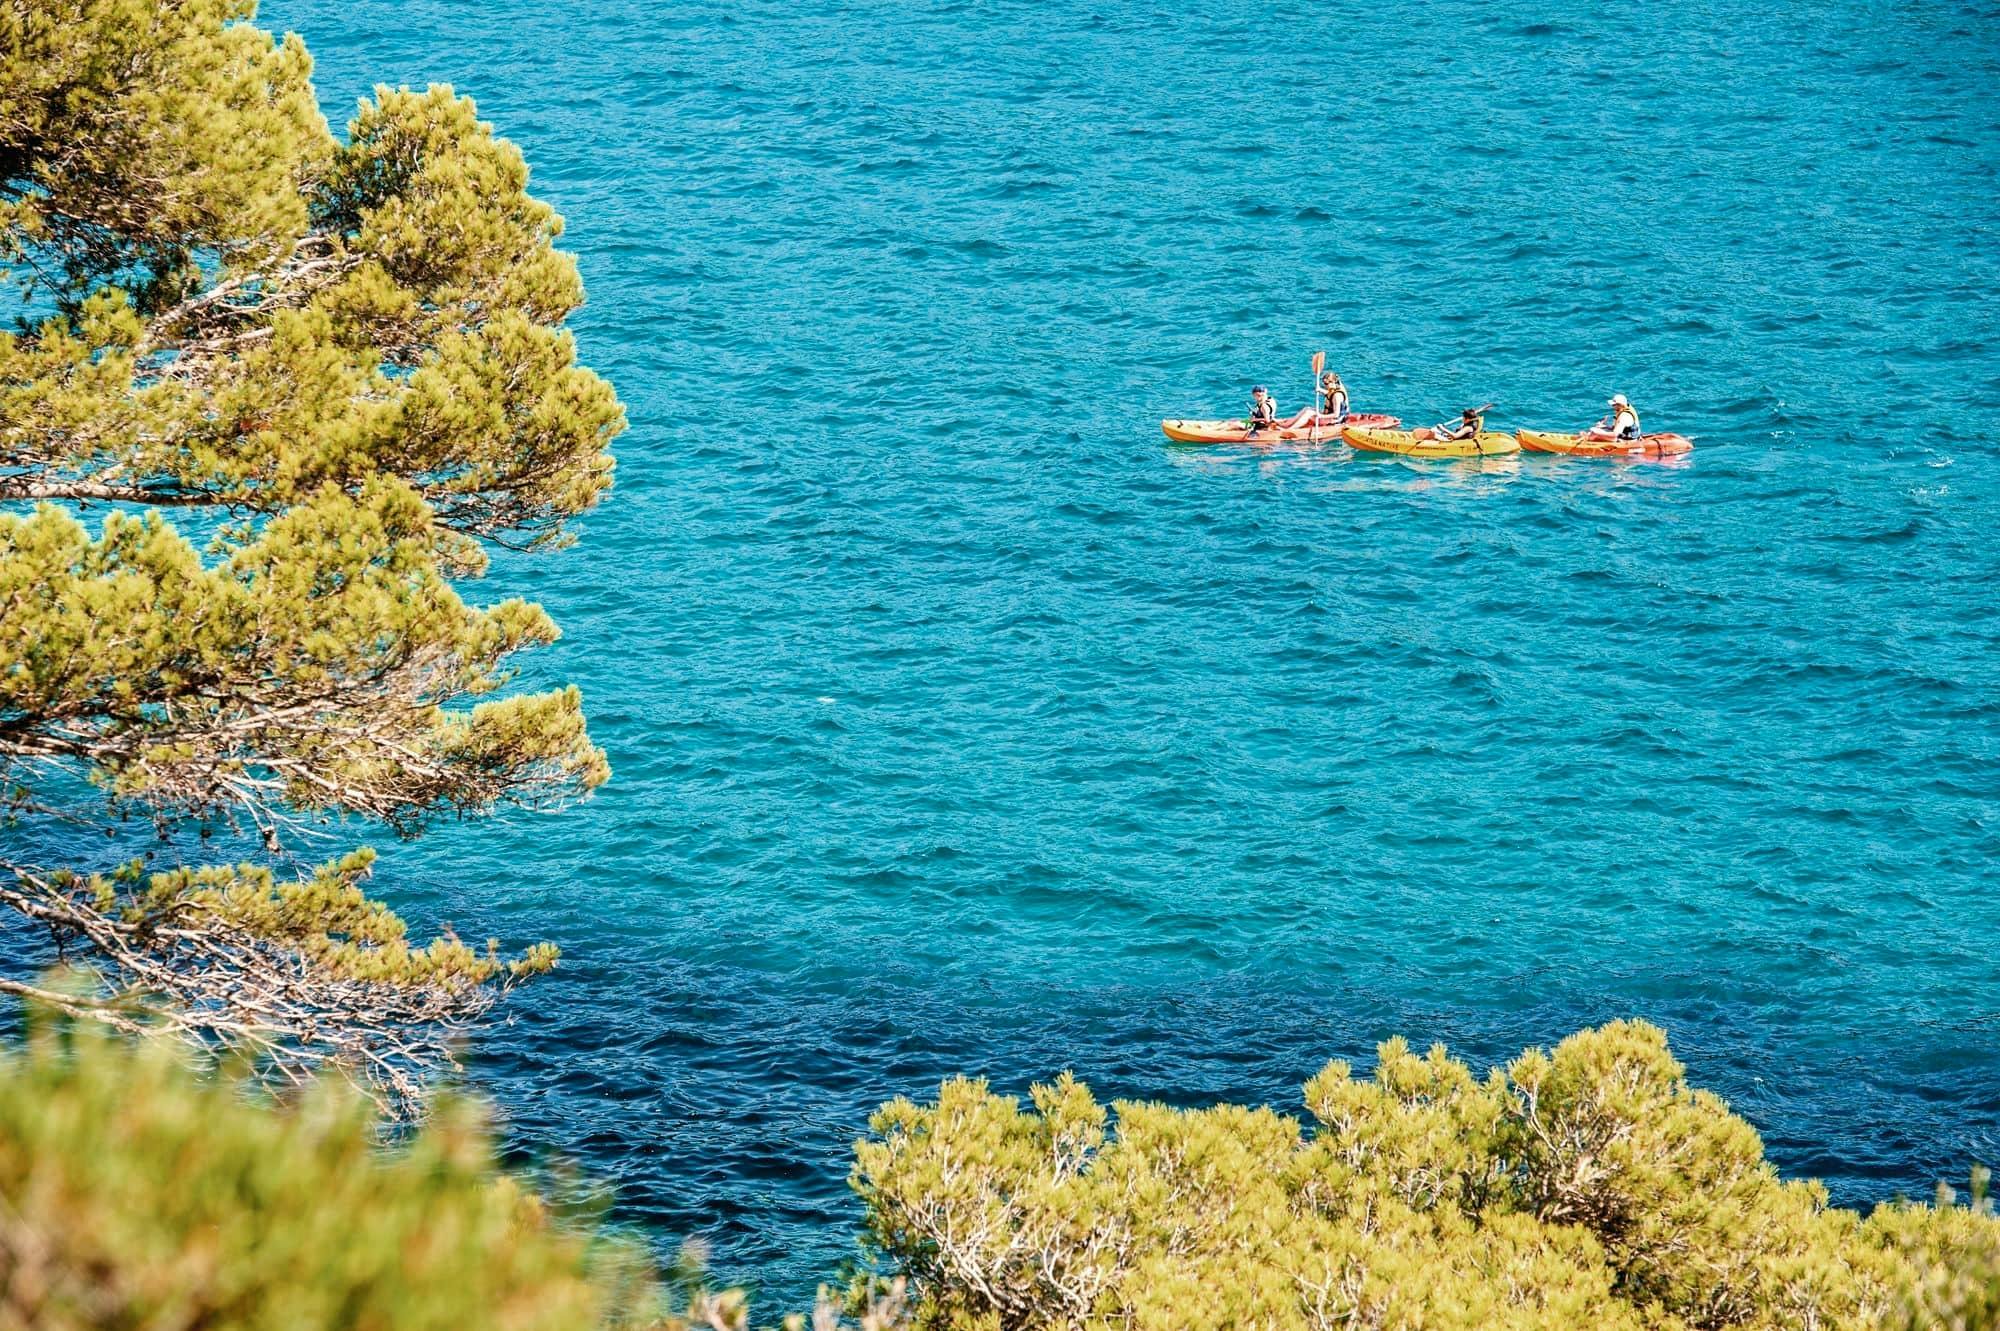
column 301, row 384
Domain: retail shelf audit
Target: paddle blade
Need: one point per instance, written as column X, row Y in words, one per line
column 1319, row 363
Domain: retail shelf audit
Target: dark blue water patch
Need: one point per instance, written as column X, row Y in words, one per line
column 960, row 725
column 674, row 1100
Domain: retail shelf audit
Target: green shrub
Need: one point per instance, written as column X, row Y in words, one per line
column 1587, row 1187
column 137, row 1194
column 133, row 1194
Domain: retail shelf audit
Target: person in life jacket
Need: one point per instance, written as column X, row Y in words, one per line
column 1470, row 425
column 1332, row 397
column 1263, row 411
column 1622, row 423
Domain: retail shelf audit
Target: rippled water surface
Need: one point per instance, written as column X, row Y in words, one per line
column 960, row 724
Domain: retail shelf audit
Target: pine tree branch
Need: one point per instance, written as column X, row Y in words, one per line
column 220, row 987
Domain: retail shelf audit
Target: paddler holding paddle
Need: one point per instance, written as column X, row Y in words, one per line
column 1470, row 424
column 1622, row 423
column 1331, row 412
column 1333, row 398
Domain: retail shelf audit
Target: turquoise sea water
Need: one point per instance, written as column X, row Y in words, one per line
column 961, row 725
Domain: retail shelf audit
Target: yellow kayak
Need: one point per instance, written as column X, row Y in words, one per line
column 1425, row 444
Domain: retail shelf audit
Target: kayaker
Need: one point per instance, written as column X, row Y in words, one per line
column 1263, row 410
column 1332, row 399
column 1622, row 423
column 1469, row 426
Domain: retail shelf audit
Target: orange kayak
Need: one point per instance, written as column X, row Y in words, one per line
column 1575, row 445
column 1238, row 431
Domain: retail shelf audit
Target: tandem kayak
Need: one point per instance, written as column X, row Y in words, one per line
column 1575, row 445
column 1238, row 432
column 1425, row 444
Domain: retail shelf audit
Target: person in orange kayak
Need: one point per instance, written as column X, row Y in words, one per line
column 1622, row 423
column 1333, row 397
column 1332, row 402
column 1263, row 410
column 1469, row 426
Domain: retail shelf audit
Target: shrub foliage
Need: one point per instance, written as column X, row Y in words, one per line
column 136, row 1194
column 1585, row 1187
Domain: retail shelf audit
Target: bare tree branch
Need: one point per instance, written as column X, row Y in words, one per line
column 218, row 986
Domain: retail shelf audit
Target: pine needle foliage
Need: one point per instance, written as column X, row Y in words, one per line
column 1584, row 1187
column 344, row 358
column 136, row 1195
column 138, row 1192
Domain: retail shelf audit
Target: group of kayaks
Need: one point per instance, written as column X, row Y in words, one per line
column 1375, row 433
column 1328, row 418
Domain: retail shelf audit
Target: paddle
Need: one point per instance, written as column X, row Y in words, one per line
column 1319, row 363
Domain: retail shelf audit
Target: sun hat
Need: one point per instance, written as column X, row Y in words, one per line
column 1618, row 400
